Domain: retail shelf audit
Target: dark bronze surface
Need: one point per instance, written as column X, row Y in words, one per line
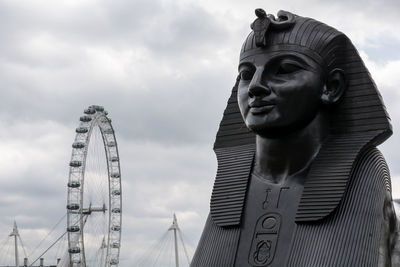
column 300, row 181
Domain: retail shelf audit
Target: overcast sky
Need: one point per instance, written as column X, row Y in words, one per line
column 164, row 70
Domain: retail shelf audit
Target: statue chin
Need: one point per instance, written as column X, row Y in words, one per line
column 299, row 184
column 297, row 128
column 273, row 133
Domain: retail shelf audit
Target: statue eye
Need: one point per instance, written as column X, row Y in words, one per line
column 287, row 68
column 246, row 75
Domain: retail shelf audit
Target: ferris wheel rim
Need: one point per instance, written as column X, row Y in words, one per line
column 95, row 116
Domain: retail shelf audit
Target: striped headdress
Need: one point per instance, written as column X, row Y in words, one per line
column 359, row 120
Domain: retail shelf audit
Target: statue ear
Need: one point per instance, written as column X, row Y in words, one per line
column 334, row 87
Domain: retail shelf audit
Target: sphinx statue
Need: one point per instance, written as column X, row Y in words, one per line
column 300, row 181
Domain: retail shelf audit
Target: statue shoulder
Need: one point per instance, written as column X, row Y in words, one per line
column 371, row 167
column 372, row 171
column 217, row 246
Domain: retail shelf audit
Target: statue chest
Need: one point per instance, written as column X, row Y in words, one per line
column 268, row 223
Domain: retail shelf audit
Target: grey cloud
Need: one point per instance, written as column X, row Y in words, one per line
column 57, row 84
column 169, row 105
column 383, row 50
column 122, row 24
column 376, row 9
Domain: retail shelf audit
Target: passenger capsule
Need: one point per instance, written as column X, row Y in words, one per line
column 74, row 250
column 73, row 206
column 78, row 145
column 108, row 131
column 89, row 111
column 115, row 175
column 115, row 245
column 116, row 192
column 113, row 261
column 114, row 158
column 75, row 163
column 97, row 108
column 116, row 228
column 74, row 184
column 85, row 118
column 116, row 210
column 111, row 144
column 73, row 228
column 81, row 130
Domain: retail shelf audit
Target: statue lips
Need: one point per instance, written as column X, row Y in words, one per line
column 261, row 107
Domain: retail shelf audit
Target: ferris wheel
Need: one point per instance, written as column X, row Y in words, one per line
column 94, row 193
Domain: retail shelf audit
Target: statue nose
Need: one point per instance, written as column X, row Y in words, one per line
column 257, row 87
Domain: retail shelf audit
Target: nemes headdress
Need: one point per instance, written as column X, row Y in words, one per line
column 358, row 121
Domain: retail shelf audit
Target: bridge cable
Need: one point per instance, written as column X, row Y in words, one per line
column 183, row 244
column 49, row 233
column 58, row 239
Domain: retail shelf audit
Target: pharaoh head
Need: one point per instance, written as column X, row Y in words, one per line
column 289, row 73
column 291, row 70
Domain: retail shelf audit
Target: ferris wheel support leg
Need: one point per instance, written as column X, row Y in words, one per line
column 176, row 250
column 15, row 234
column 16, row 251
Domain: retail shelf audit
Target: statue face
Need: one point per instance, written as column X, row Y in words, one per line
column 279, row 92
